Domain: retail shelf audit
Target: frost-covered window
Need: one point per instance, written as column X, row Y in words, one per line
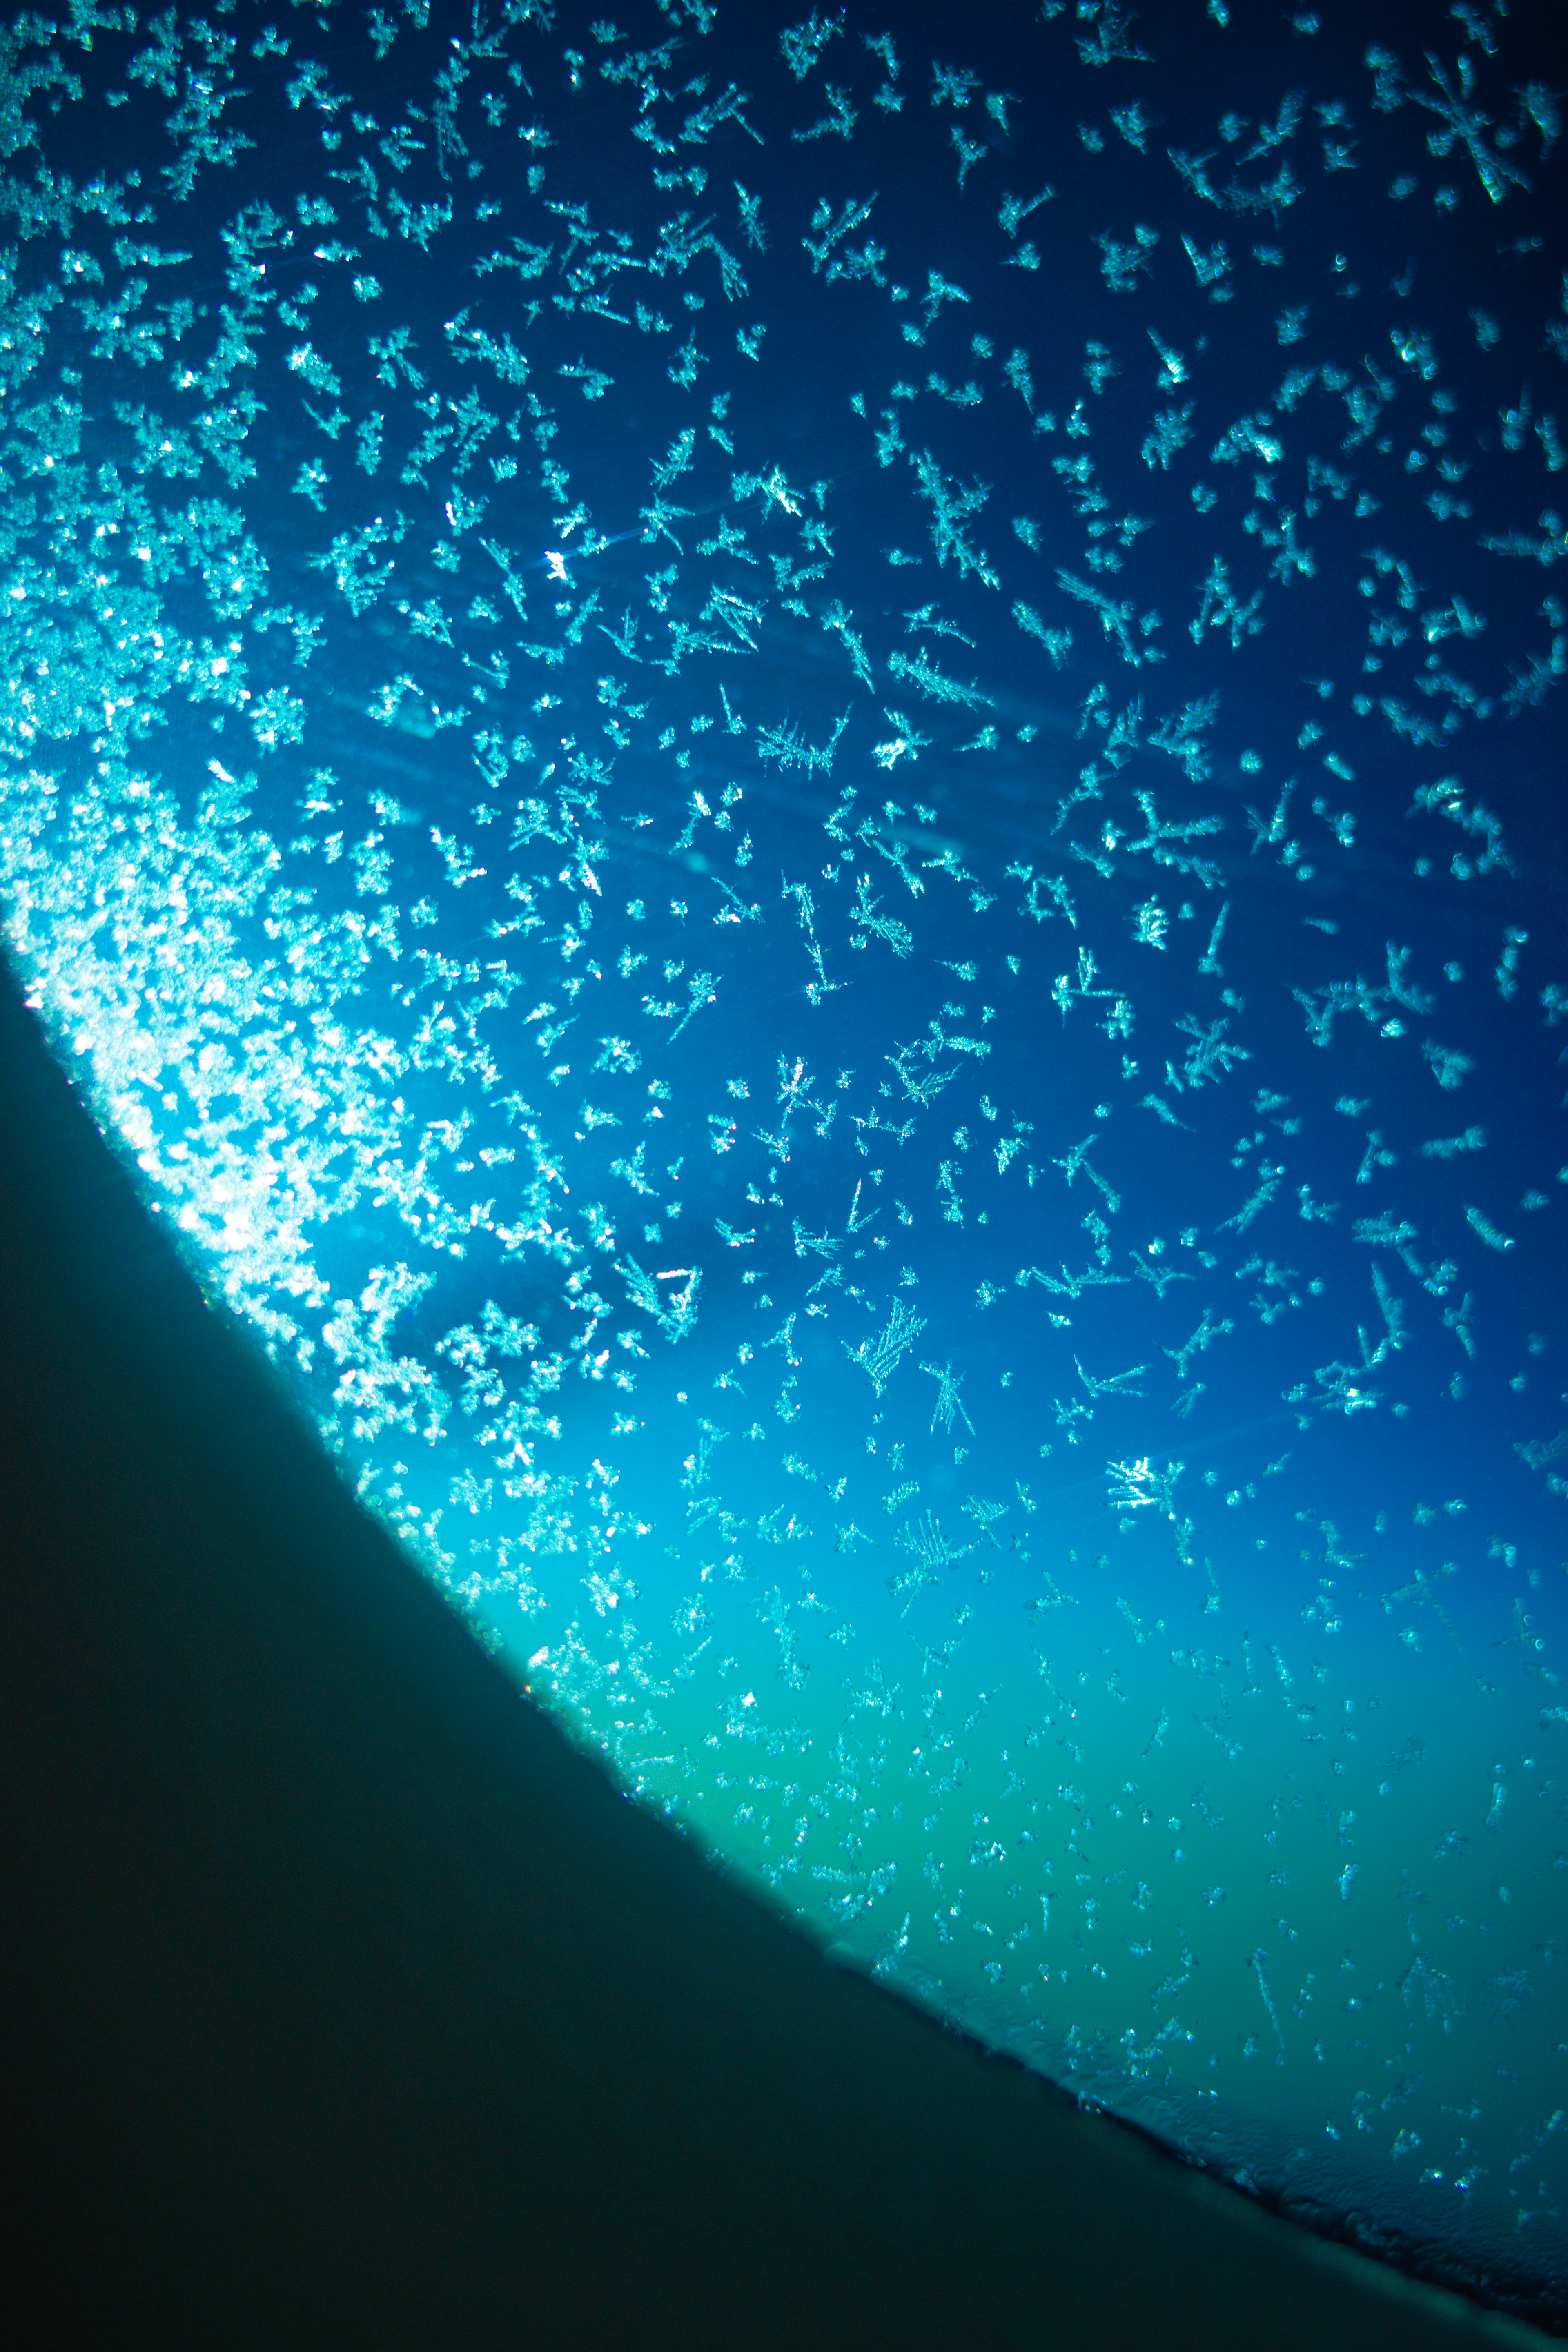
column 803, row 801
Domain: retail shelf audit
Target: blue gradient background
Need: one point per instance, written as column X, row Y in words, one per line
column 1242, row 1808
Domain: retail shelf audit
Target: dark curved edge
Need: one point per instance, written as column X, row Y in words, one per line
column 346, row 2003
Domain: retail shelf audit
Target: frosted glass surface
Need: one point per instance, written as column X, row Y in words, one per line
column 800, row 789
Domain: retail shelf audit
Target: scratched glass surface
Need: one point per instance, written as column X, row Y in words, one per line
column 798, row 788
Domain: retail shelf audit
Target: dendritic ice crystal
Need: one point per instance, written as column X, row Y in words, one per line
column 798, row 788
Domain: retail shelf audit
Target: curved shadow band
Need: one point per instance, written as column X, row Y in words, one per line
column 350, row 2005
